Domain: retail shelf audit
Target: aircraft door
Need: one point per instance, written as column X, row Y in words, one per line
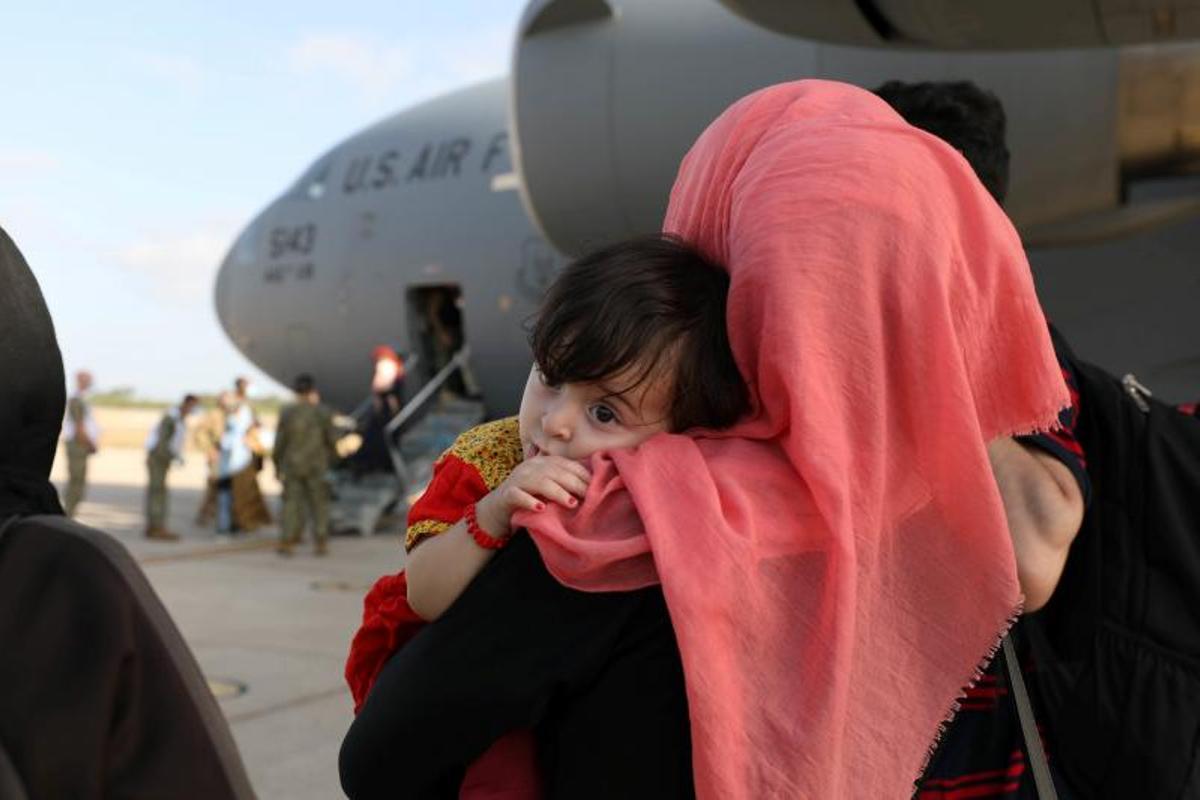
column 436, row 332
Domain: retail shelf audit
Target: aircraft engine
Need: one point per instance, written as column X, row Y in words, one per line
column 952, row 24
column 608, row 95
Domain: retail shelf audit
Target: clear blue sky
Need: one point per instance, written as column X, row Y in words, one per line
column 136, row 139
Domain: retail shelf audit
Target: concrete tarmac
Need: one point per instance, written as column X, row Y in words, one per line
column 270, row 633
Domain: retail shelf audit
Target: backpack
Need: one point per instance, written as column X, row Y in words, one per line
column 1117, row 648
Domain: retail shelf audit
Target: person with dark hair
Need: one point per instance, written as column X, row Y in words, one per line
column 164, row 446
column 1060, row 536
column 630, row 342
column 837, row 564
column 305, row 446
column 1043, row 478
column 99, row 694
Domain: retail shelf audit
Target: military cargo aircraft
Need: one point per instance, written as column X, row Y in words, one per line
column 458, row 212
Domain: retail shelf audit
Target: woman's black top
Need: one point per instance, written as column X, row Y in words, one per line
column 597, row 676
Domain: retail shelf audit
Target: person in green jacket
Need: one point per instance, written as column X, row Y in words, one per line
column 163, row 446
column 305, row 447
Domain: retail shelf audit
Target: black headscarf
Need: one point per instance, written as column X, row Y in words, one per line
column 99, row 694
column 32, row 390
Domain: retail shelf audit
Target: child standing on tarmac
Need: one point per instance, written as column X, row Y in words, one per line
column 631, row 341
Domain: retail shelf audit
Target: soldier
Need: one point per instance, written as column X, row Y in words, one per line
column 81, row 436
column 164, row 445
column 305, row 446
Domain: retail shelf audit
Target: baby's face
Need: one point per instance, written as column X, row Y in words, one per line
column 575, row 420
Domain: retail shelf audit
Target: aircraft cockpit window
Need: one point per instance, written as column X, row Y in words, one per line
column 244, row 247
column 314, row 183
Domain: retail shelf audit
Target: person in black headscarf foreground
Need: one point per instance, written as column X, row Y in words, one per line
column 99, row 694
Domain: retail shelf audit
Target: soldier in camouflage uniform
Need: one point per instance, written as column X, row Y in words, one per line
column 305, row 447
column 164, row 446
column 79, row 436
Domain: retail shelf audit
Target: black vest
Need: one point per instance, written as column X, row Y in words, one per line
column 1117, row 649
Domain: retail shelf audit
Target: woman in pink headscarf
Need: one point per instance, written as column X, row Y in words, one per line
column 837, row 567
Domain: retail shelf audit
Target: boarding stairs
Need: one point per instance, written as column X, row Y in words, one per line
column 425, row 427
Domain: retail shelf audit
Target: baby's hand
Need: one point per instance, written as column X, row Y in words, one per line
column 553, row 478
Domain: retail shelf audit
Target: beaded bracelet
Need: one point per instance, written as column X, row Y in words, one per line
column 482, row 537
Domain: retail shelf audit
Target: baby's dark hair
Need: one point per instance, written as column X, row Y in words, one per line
column 628, row 308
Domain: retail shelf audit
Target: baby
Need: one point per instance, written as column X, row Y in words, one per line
column 630, row 342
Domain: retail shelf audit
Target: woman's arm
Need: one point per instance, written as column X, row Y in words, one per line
column 1044, row 506
column 516, row 650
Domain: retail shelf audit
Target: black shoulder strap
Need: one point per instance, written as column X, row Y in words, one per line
column 11, row 785
column 1042, row 780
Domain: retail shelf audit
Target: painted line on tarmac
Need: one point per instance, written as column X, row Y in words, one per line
column 302, row 700
column 231, row 548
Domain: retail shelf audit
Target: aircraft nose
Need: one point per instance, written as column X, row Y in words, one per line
column 221, row 293
column 233, row 271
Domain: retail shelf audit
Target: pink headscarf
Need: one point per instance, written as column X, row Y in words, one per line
column 838, row 566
